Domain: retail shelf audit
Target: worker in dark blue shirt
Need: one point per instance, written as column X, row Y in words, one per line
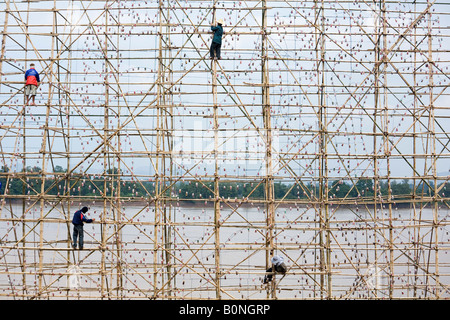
column 77, row 221
column 214, row 50
column 31, row 84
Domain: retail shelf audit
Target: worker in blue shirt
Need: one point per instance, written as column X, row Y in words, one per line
column 214, row 50
column 77, row 221
column 31, row 84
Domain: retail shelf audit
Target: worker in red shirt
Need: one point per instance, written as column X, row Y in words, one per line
column 32, row 83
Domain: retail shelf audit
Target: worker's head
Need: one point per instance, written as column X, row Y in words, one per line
column 32, row 65
column 220, row 21
column 84, row 209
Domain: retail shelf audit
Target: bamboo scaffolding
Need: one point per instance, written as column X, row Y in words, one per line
column 297, row 142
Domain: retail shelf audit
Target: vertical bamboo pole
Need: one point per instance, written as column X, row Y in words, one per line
column 65, row 136
column 432, row 130
column 387, row 150
column 168, row 147
column 416, row 215
column 67, row 179
column 118, row 217
column 318, row 52
column 24, row 132
column 106, row 173
column 165, row 113
column 325, row 251
column 43, row 152
column 376, row 180
column 159, row 89
column 66, row 189
column 266, row 110
column 216, row 171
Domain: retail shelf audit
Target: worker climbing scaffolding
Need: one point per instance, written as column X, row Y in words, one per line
column 278, row 266
column 78, row 232
column 32, row 82
column 216, row 43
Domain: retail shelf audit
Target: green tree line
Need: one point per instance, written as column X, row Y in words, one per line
column 29, row 182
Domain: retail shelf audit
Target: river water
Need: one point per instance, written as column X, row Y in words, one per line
column 359, row 254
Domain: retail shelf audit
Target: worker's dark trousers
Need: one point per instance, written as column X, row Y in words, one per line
column 78, row 234
column 214, row 51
